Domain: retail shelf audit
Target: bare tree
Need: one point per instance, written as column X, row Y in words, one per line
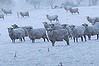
column 51, row 3
column 78, row 2
column 35, row 3
column 94, row 2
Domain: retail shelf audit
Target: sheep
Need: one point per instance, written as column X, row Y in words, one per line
column 58, row 35
column 91, row 30
column 23, row 14
column 67, row 8
column 52, row 18
column 6, row 11
column 92, row 20
column 24, row 27
column 67, row 26
column 37, row 34
column 2, row 16
column 49, row 25
column 17, row 33
column 78, row 31
column 74, row 10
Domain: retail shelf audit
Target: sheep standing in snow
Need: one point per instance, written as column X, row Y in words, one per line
column 6, row 11
column 17, row 33
column 52, row 18
column 74, row 10
column 58, row 35
column 92, row 20
column 67, row 8
column 2, row 16
column 37, row 34
column 66, row 26
column 78, row 31
column 91, row 30
column 23, row 14
column 24, row 27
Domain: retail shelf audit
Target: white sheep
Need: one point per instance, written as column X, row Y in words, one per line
column 92, row 20
column 58, row 35
column 6, row 11
column 23, row 14
column 67, row 26
column 52, row 18
column 17, row 33
column 24, row 27
column 78, row 31
column 74, row 10
column 37, row 34
column 91, row 30
column 67, row 8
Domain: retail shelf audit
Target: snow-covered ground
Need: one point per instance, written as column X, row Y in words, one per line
column 36, row 54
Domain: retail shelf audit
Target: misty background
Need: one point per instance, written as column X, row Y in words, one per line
column 39, row 4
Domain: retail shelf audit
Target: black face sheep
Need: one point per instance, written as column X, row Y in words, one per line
column 91, row 30
column 78, row 31
column 6, row 11
column 52, row 18
column 37, row 34
column 74, row 10
column 58, row 35
column 2, row 16
column 23, row 14
column 17, row 33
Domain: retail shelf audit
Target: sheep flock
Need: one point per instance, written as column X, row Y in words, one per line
column 53, row 30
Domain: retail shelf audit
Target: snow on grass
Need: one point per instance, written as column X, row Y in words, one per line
column 37, row 54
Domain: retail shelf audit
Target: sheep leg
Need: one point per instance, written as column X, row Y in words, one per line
column 78, row 12
column 47, row 39
column 33, row 40
column 81, row 38
column 44, row 39
column 67, row 40
column 97, row 36
column 53, row 42
column 89, row 37
column 74, row 39
column 85, row 37
column 23, row 38
column 13, row 40
column 57, row 20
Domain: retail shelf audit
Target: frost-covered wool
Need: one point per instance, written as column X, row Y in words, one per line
column 55, row 27
column 92, row 20
column 52, row 18
column 17, row 33
column 37, row 34
column 66, row 26
column 58, row 35
column 91, row 30
column 2, row 16
column 78, row 31
column 24, row 27
column 49, row 25
column 74, row 10
column 6, row 11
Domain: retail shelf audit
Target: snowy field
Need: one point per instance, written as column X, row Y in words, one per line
column 36, row 54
